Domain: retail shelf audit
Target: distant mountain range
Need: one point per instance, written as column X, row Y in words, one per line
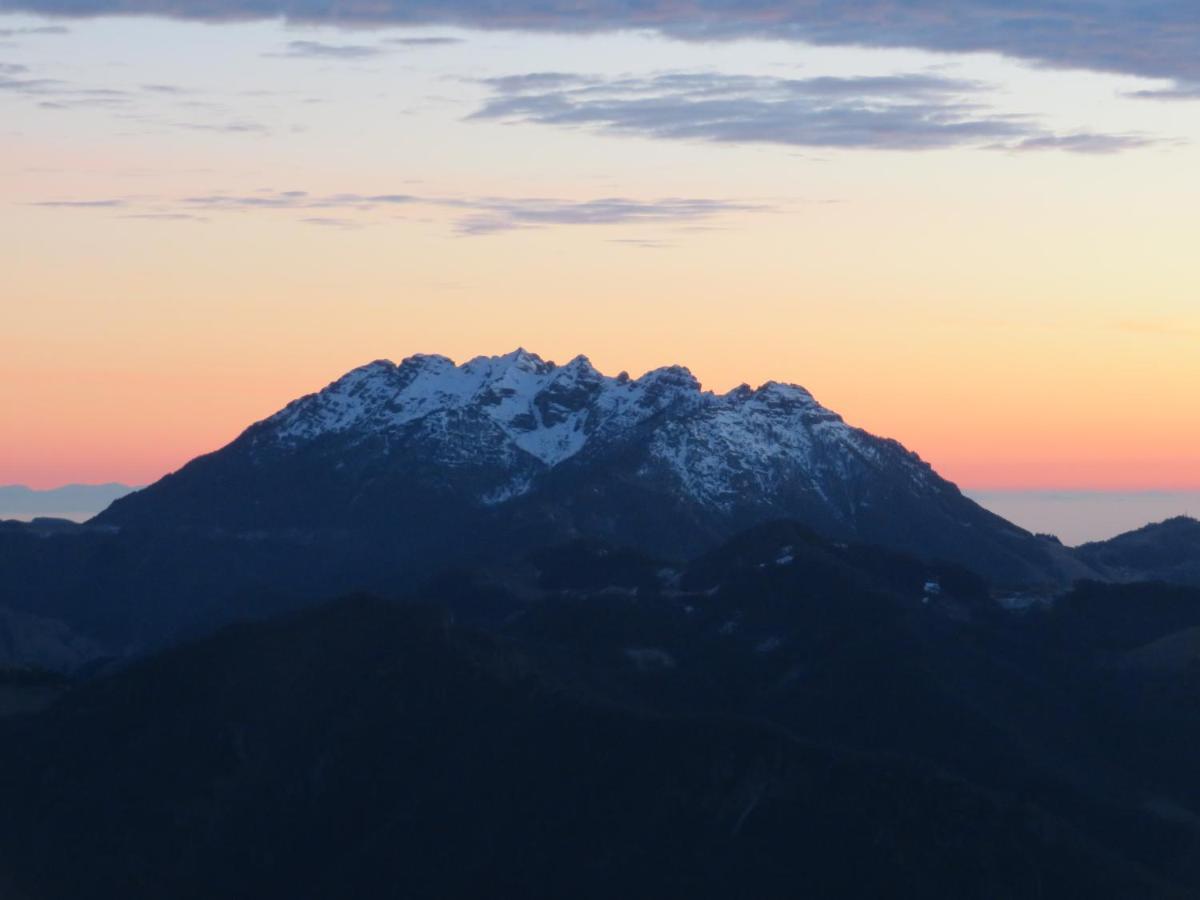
column 76, row 501
column 395, row 474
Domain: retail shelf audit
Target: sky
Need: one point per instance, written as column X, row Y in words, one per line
column 967, row 226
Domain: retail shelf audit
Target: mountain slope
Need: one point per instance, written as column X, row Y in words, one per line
column 372, row 751
column 504, row 453
column 1163, row 551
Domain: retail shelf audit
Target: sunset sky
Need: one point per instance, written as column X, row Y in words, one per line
column 991, row 256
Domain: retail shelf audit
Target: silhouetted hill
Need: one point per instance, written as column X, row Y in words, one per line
column 1164, row 551
column 868, row 649
column 366, row 750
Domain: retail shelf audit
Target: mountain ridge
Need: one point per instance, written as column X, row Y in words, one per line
column 517, row 444
column 1166, row 551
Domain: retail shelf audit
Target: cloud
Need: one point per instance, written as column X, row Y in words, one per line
column 1158, row 38
column 300, row 200
column 1084, row 143
column 333, row 222
column 149, row 105
column 36, row 30
column 913, row 111
column 538, row 81
column 107, row 203
column 476, row 215
column 493, row 215
column 1178, row 91
column 321, row 50
column 165, row 217
column 230, row 127
column 14, row 79
column 53, row 93
column 430, row 41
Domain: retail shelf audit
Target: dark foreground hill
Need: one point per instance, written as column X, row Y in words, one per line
column 364, row 750
column 785, row 716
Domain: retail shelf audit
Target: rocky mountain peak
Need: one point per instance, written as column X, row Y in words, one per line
column 654, row 459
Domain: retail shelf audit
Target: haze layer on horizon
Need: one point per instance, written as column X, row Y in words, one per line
column 988, row 255
column 1075, row 517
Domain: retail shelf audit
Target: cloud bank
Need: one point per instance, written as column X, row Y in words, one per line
column 918, row 111
column 1156, row 38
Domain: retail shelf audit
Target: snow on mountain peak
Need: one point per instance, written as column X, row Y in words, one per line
column 520, row 403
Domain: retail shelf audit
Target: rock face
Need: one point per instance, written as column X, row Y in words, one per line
column 499, row 453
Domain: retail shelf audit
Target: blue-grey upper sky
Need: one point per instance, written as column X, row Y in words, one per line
column 1159, row 38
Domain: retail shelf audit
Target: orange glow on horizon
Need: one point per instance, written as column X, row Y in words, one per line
column 126, row 426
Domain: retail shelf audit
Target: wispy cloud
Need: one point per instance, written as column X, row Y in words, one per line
column 17, row 79
column 324, row 50
column 427, row 41
column 495, row 214
column 321, row 50
column 912, row 111
column 238, row 126
column 332, row 222
column 151, row 105
column 165, row 217
column 474, row 215
column 297, row 200
column 1178, row 91
column 33, row 31
column 172, row 90
column 1084, row 142
column 1157, row 38
column 105, row 203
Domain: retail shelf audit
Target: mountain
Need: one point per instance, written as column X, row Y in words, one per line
column 500, row 454
column 1163, row 551
column 76, row 501
column 365, row 749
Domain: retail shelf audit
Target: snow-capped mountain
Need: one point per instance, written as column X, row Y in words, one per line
column 528, row 415
column 513, row 449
